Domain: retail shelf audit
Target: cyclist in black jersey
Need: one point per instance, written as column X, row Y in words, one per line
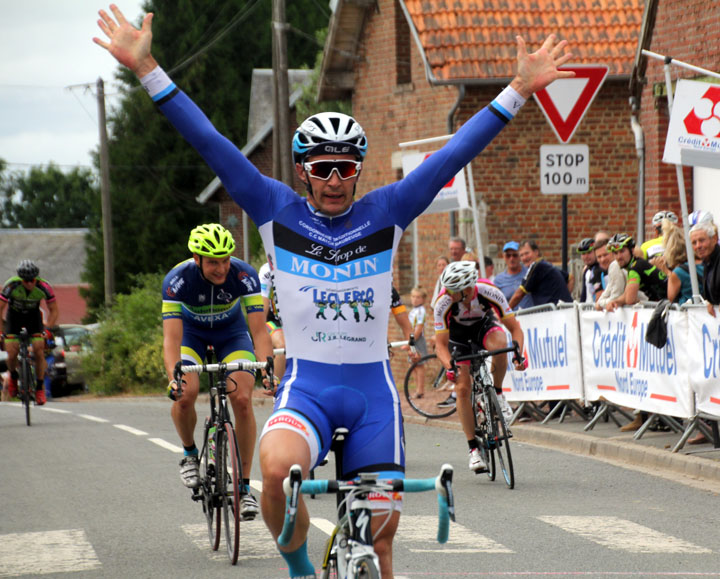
column 21, row 296
column 642, row 275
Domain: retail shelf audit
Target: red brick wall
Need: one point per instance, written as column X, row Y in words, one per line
column 686, row 30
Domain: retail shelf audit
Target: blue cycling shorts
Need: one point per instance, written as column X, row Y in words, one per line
column 314, row 399
column 231, row 345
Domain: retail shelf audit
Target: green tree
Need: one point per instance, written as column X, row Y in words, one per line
column 47, row 197
column 210, row 49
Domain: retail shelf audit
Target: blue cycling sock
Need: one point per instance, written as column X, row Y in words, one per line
column 191, row 451
column 299, row 564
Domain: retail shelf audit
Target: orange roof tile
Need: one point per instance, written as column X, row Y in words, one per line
column 473, row 39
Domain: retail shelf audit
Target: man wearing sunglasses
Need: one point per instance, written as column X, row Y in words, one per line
column 332, row 250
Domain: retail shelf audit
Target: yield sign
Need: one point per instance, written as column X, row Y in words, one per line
column 565, row 101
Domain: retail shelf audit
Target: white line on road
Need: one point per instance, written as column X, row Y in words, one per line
column 58, row 410
column 130, row 429
column 622, row 535
column 51, row 552
column 324, row 525
column 166, row 445
column 422, row 530
column 93, row 418
column 256, row 542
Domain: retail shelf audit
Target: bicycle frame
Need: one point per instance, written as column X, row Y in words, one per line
column 220, row 488
column 351, row 543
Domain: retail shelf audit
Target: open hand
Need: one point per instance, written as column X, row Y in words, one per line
column 129, row 46
column 539, row 69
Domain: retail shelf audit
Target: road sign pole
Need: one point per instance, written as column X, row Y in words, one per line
column 565, row 233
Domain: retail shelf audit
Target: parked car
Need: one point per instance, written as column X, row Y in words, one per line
column 64, row 369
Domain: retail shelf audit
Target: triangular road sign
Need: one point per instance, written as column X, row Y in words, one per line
column 565, row 101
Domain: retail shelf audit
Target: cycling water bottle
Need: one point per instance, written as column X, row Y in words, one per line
column 211, row 443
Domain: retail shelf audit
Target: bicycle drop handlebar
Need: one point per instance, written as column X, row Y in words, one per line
column 180, row 370
column 487, row 353
column 293, row 486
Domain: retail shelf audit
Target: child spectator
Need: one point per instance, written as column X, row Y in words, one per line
column 417, row 321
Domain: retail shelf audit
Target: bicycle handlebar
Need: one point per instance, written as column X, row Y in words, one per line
column 293, row 486
column 487, row 353
column 180, row 370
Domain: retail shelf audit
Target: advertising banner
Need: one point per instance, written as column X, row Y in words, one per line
column 621, row 367
column 704, row 363
column 552, row 350
column 453, row 195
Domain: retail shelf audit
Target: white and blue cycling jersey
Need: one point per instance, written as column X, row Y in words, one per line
column 333, row 275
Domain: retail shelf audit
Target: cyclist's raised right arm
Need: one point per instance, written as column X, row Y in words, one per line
column 132, row 48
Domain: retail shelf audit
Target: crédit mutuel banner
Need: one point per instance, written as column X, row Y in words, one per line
column 552, row 350
column 704, row 348
column 621, row 367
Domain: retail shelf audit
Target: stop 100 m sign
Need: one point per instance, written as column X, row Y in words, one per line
column 564, row 169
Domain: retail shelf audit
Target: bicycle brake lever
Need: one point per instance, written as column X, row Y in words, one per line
column 446, row 476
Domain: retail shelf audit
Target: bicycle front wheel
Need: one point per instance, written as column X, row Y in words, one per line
column 25, row 387
column 501, row 436
column 232, row 469
column 431, row 405
column 366, row 569
column 210, row 502
column 481, row 434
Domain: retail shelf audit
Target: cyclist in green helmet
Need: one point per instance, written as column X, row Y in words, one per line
column 203, row 302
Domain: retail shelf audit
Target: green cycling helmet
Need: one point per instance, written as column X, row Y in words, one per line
column 620, row 240
column 211, row 240
column 586, row 245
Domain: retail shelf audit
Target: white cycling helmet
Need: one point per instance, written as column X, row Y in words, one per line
column 459, row 275
column 700, row 216
column 660, row 215
column 329, row 134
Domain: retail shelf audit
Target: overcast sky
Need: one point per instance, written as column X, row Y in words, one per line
column 46, row 46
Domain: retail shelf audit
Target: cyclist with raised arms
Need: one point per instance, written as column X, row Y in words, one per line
column 467, row 313
column 21, row 296
column 203, row 302
column 332, row 254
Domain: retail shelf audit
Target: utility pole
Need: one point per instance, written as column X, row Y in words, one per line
column 105, row 197
column 283, row 166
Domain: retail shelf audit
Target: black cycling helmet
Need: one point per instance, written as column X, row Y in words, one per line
column 27, row 270
column 620, row 240
column 586, row 245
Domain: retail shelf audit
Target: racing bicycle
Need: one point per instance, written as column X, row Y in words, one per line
column 350, row 553
column 436, row 389
column 491, row 430
column 221, row 487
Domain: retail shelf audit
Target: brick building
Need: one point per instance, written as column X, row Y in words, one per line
column 686, row 30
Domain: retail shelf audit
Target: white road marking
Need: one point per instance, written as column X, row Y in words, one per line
column 256, row 542
column 51, row 552
column 422, row 530
column 324, row 525
column 130, row 429
column 257, row 485
column 93, row 418
column 58, row 410
column 166, row 445
column 622, row 535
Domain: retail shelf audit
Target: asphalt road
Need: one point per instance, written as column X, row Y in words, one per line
column 92, row 489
